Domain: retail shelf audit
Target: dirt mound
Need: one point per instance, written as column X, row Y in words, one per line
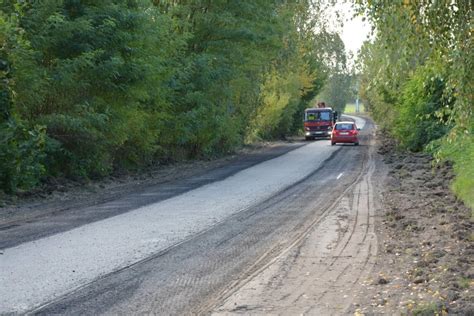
column 426, row 261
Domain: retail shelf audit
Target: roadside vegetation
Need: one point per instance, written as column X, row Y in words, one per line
column 92, row 87
column 350, row 108
column 417, row 80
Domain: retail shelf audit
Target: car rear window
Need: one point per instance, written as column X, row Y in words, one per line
column 344, row 127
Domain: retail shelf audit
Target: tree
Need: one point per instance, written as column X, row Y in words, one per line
column 122, row 84
column 417, row 78
column 89, row 73
column 21, row 147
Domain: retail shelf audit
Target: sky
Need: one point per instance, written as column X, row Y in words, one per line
column 355, row 31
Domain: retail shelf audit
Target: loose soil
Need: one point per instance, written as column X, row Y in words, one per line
column 319, row 272
column 425, row 264
column 398, row 243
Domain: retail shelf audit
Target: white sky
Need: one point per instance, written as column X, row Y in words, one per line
column 355, row 31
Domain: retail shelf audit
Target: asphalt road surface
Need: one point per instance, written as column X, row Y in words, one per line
column 225, row 242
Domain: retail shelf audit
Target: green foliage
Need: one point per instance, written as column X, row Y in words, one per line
column 417, row 78
column 21, row 155
column 429, row 309
column 338, row 89
column 276, row 99
column 6, row 41
column 337, row 92
column 21, row 148
column 89, row 72
column 423, row 95
column 460, row 150
column 122, row 84
column 351, row 108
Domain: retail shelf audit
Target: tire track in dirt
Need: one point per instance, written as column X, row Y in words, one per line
column 317, row 274
column 369, row 232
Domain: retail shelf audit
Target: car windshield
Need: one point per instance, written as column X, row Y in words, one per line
column 344, row 127
column 318, row 116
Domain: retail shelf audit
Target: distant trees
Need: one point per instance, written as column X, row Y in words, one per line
column 338, row 90
column 89, row 87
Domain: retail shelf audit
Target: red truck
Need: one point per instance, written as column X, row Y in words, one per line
column 318, row 122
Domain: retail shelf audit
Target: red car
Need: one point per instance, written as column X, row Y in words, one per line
column 345, row 132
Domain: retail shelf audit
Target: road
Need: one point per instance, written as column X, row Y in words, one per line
column 286, row 234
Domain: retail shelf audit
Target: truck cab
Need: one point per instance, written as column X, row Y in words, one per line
column 319, row 122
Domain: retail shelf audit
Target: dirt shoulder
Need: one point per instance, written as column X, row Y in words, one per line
column 319, row 272
column 425, row 262
column 397, row 243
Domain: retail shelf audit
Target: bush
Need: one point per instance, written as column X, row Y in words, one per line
column 422, row 96
column 77, row 144
column 21, row 156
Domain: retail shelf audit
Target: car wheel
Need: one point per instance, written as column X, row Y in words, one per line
column 356, row 144
column 308, row 138
column 332, row 143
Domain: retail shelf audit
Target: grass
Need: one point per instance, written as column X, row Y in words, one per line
column 351, row 108
column 465, row 283
column 461, row 153
column 429, row 309
column 463, row 185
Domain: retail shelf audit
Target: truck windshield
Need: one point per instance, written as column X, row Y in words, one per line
column 318, row 116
